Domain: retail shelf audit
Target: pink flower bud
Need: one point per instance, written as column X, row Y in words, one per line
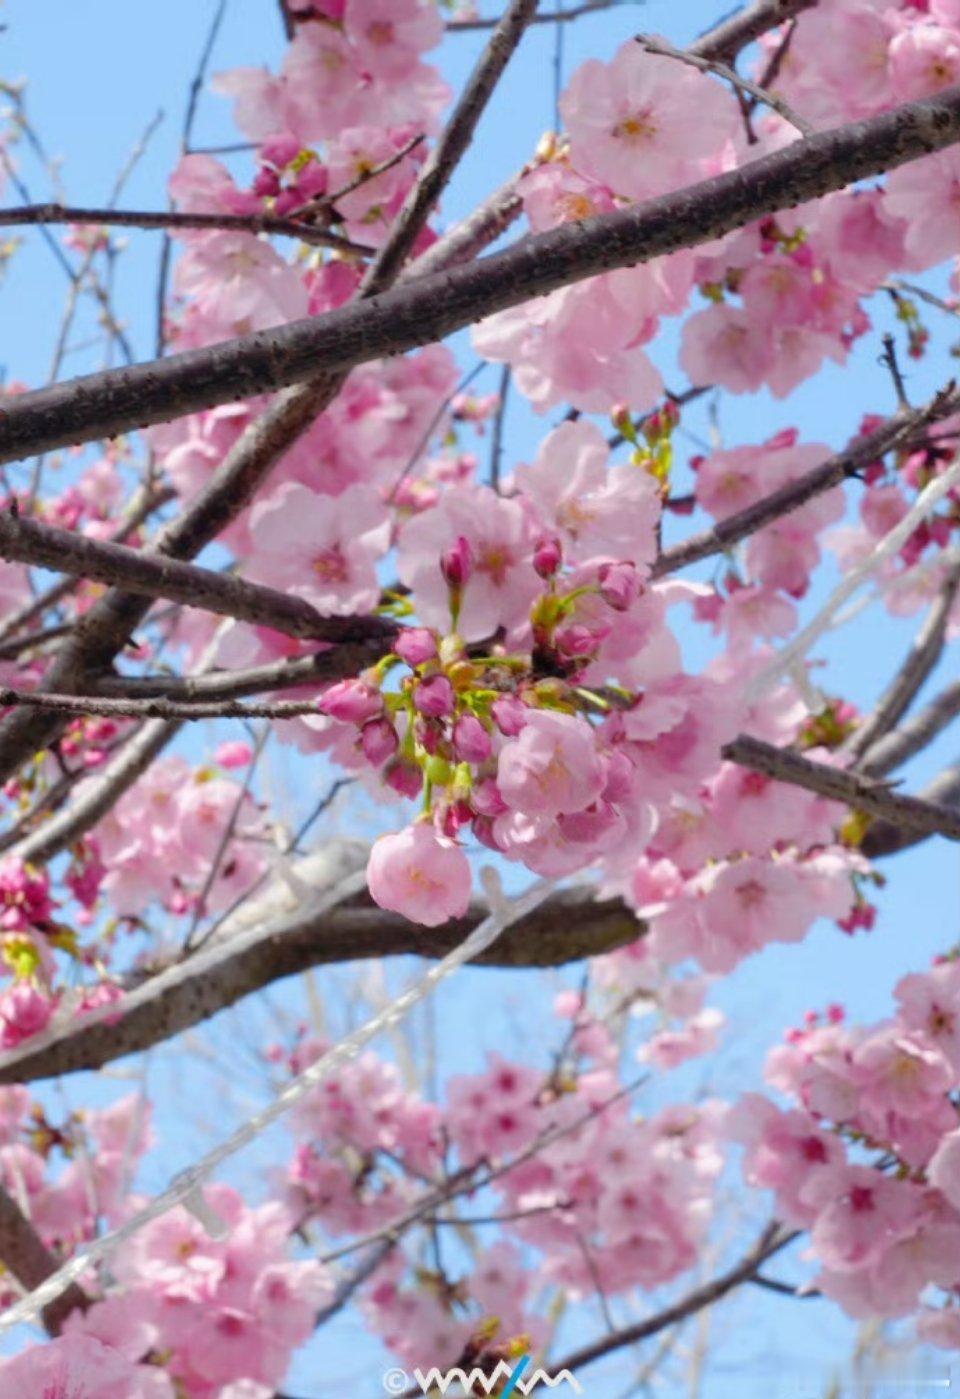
column 510, row 715
column 486, row 799
column 471, row 742
column 577, row 640
column 619, row 585
column 547, row 556
column 484, row 833
column 235, row 754
column 457, row 563
column 379, row 740
column 429, row 735
column 434, row 697
column 352, row 701
column 416, row 645
column 279, row 150
column 405, row 778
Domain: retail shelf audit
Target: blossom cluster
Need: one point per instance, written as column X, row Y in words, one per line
column 868, row 1161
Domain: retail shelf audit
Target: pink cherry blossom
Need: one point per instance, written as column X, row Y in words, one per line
column 420, row 875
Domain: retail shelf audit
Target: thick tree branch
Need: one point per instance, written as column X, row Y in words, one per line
column 862, row 793
column 309, row 233
column 28, row 541
column 898, row 431
column 26, row 1256
column 425, row 309
column 571, row 925
column 730, row 36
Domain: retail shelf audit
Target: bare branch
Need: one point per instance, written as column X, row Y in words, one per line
column 861, row 793
column 899, row 430
column 570, row 925
column 723, row 70
column 28, row 541
column 889, row 838
column 896, row 747
column 26, row 1256
column 155, row 708
column 348, row 658
column 772, row 1241
column 919, row 662
column 99, row 794
column 427, row 308
column 175, row 218
column 730, row 36
column 589, row 7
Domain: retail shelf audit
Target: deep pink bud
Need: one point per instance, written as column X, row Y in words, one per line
column 483, row 831
column 434, row 697
column 577, row 640
column 510, row 715
column 379, row 740
column 405, row 778
column 280, row 150
column 547, row 556
column 429, row 735
column 619, row 585
column 471, row 742
column 352, row 701
column 457, row 563
column 267, row 184
column 233, row 754
column 416, row 645
column 486, row 799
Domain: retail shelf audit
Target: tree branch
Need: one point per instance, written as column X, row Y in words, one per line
column 727, row 38
column 155, row 708
column 730, row 75
column 889, row 838
column 26, row 1256
column 861, row 793
column 28, row 541
column 772, row 1241
column 170, row 218
column 589, row 7
column 899, row 430
column 348, row 658
column 894, row 748
column 572, row 924
column 916, row 667
column 425, row 309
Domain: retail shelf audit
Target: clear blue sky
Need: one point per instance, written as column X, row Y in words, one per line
column 98, row 73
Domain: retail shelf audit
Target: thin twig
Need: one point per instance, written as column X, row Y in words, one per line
column 558, row 16
column 496, row 444
column 723, row 70
column 773, row 1239
column 44, row 214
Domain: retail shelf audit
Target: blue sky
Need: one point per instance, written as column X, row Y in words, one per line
column 98, row 74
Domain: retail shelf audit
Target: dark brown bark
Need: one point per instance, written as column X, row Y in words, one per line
column 426, row 309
